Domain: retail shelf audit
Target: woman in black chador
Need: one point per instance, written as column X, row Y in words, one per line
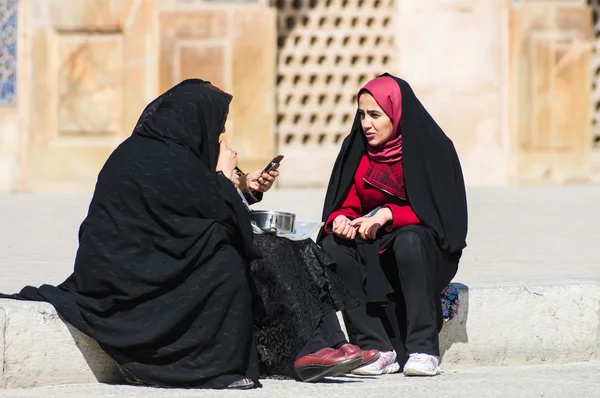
column 395, row 218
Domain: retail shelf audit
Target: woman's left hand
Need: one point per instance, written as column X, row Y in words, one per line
column 368, row 226
column 235, row 179
column 258, row 181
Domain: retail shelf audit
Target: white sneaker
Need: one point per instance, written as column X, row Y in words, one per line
column 422, row 365
column 384, row 365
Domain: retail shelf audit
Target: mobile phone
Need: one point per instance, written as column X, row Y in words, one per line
column 273, row 164
column 373, row 212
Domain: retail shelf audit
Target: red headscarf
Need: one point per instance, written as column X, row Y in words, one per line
column 385, row 170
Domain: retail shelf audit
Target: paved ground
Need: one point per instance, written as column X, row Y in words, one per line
column 534, row 235
column 575, row 380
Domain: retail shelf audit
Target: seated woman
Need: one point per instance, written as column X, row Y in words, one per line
column 161, row 276
column 296, row 292
column 395, row 225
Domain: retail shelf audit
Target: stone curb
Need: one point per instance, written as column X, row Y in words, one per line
column 516, row 325
column 501, row 325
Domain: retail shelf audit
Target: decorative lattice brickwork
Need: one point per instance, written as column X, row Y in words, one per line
column 595, row 4
column 327, row 50
column 8, row 51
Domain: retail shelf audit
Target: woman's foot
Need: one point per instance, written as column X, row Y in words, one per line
column 369, row 356
column 243, row 384
column 422, row 365
column 326, row 362
column 386, row 363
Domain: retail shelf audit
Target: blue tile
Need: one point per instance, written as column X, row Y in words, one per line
column 8, row 51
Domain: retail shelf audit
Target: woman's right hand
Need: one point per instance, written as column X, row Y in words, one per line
column 341, row 227
column 227, row 161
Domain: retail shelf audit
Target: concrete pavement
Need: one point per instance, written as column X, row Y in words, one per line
column 535, row 381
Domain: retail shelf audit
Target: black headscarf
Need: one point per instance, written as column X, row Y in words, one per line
column 434, row 181
column 192, row 114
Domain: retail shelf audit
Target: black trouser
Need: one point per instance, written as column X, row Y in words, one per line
column 418, row 271
column 327, row 334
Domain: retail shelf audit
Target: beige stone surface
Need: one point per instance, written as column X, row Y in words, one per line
column 509, row 83
column 556, row 324
column 252, row 113
column 88, row 68
column 10, row 146
column 40, row 349
column 198, row 34
column 527, row 324
column 550, row 61
column 453, row 55
column 90, row 90
column 234, row 48
column 84, row 93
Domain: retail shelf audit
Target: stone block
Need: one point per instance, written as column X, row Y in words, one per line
column 529, row 324
column 40, row 349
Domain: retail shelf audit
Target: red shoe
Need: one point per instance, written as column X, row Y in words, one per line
column 369, row 356
column 326, row 362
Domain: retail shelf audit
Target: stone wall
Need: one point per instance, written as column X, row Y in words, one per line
column 454, row 54
column 551, row 85
column 510, row 82
column 87, row 69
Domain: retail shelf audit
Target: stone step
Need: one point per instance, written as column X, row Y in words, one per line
column 495, row 326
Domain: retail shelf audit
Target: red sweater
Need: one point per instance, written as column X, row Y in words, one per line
column 363, row 197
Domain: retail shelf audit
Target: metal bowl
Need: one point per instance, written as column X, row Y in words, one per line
column 273, row 221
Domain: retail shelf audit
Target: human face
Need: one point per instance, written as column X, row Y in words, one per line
column 376, row 125
column 225, row 123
